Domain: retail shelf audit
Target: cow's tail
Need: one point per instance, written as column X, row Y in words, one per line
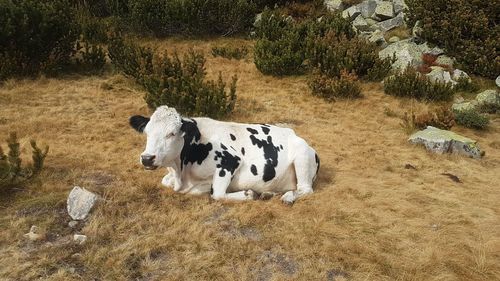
column 316, row 157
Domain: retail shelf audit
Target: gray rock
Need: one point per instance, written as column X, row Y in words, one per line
column 465, row 106
column 384, row 10
column 443, row 141
column 394, row 39
column 391, row 23
column 378, row 38
column 34, row 234
column 489, row 99
column 436, row 51
column 351, row 12
column 439, row 75
column 80, row 238
column 399, row 6
column 371, row 21
column 457, row 74
column 367, row 8
column 80, row 202
column 444, row 60
column 497, row 81
column 407, row 53
column 333, row 5
column 360, row 23
column 417, row 29
column 258, row 20
column 72, row 224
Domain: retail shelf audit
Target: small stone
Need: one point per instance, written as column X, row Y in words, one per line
column 80, row 202
column 360, row 23
column 458, row 74
column 333, row 5
column 34, row 234
column 489, row 100
column 444, row 60
column 384, row 10
column 436, row 51
column 367, row 8
column 73, row 224
column 497, row 81
column 391, row 23
column 442, row 141
column 465, row 106
column 351, row 12
column 378, row 38
column 79, row 238
column 417, row 29
column 258, row 19
column 399, row 6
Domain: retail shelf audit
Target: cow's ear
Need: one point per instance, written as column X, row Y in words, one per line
column 138, row 122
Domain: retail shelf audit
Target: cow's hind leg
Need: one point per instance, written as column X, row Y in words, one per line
column 221, row 182
column 306, row 166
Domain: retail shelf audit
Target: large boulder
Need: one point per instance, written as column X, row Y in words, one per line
column 443, row 141
column 80, row 202
column 489, row 101
column 367, row 8
column 407, row 53
column 351, row 12
column 439, row 75
column 333, row 5
column 391, row 23
column 465, row 106
column 384, row 10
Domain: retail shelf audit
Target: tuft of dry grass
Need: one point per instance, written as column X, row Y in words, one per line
column 370, row 218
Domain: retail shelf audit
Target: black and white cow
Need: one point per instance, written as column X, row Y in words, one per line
column 232, row 160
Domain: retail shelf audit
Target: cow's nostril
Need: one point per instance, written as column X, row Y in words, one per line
column 148, row 160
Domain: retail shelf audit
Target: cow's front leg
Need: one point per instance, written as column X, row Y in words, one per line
column 221, row 182
column 172, row 179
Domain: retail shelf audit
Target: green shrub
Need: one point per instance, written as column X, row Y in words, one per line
column 465, row 84
column 35, row 36
column 133, row 60
column 217, row 17
column 332, row 53
column 412, row 84
column 471, row 119
column 230, row 53
column 93, row 29
column 284, row 56
column 468, row 29
column 93, row 57
column 170, row 80
column 345, row 87
column 12, row 173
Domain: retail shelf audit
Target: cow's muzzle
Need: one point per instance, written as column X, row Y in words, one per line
column 148, row 162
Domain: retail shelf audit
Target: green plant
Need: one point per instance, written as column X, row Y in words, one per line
column 12, row 173
column 170, row 80
column 230, row 53
column 466, row 84
column 412, row 84
column 331, row 54
column 442, row 118
column 93, row 57
column 35, row 36
column 467, row 29
column 93, row 29
column 330, row 88
column 471, row 119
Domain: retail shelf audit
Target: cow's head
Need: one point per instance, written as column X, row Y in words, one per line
column 164, row 139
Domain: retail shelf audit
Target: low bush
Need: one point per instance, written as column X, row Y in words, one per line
column 442, row 118
column 331, row 54
column 230, row 53
column 471, row 119
column 216, row 17
column 331, row 88
column 93, row 29
column 466, row 84
column 412, row 84
column 92, row 58
column 170, row 80
column 467, row 29
column 12, row 173
column 35, row 36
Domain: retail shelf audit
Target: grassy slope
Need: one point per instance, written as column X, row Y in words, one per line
column 369, row 219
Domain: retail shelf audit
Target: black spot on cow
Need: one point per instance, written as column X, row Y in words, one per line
column 281, row 146
column 138, row 122
column 232, row 137
column 253, row 169
column 270, row 155
column 223, row 146
column 193, row 151
column 252, row 131
column 265, row 130
column 317, row 162
column 228, row 162
column 243, row 150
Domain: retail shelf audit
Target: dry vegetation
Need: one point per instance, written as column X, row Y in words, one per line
column 369, row 219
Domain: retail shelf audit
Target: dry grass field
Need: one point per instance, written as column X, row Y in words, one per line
column 369, row 218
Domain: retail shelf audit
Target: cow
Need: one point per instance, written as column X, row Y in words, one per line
column 232, row 161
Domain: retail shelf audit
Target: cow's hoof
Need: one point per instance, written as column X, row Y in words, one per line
column 288, row 198
column 251, row 195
